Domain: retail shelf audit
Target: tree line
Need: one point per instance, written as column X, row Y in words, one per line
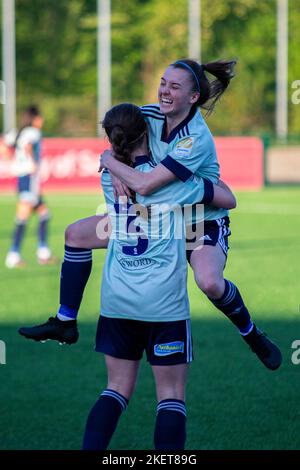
column 56, row 58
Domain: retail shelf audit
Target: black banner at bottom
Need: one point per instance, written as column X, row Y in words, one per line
column 134, row 459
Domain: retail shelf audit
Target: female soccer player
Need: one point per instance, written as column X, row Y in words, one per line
column 181, row 146
column 144, row 303
column 26, row 144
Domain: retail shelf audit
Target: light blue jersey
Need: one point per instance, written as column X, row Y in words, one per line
column 189, row 149
column 145, row 271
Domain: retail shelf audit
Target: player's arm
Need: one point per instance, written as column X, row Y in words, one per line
column 6, row 152
column 223, row 196
column 142, row 183
column 29, row 151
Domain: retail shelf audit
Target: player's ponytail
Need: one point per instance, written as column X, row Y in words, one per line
column 210, row 90
column 223, row 71
column 125, row 128
column 119, row 144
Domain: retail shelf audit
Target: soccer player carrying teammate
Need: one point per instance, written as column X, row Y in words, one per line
column 144, row 302
column 25, row 145
column 182, row 147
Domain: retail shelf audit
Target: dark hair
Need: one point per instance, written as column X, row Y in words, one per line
column 28, row 116
column 210, row 90
column 125, row 127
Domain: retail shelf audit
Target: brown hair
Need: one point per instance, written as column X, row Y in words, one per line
column 29, row 114
column 125, row 127
column 210, row 90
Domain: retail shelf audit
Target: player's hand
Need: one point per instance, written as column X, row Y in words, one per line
column 103, row 159
column 119, row 188
column 5, row 152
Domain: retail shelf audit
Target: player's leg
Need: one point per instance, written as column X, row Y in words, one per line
column 105, row 413
column 170, row 425
column 169, row 352
column 89, row 233
column 120, row 341
column 208, row 264
column 75, row 272
column 44, row 255
column 81, row 237
column 23, row 212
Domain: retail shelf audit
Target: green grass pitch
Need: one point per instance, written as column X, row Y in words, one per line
column 233, row 402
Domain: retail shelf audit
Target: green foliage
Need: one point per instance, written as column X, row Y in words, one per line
column 57, row 50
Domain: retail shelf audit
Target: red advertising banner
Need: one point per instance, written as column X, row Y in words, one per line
column 241, row 161
column 72, row 164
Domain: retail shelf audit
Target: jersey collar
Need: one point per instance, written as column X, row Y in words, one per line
column 140, row 160
column 178, row 128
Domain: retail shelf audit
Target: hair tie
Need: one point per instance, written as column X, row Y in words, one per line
column 139, row 137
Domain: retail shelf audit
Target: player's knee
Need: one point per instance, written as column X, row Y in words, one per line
column 73, row 236
column 210, row 286
column 44, row 215
column 42, row 212
column 170, row 392
column 125, row 388
column 21, row 220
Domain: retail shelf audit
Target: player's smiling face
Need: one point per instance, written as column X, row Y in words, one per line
column 175, row 93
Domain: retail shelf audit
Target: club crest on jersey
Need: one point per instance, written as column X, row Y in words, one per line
column 168, row 348
column 184, row 147
column 134, row 264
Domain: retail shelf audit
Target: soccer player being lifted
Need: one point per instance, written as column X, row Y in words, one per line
column 181, row 147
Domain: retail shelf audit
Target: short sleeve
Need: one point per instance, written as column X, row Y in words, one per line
column 29, row 135
column 188, row 155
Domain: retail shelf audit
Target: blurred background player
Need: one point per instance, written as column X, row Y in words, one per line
column 25, row 145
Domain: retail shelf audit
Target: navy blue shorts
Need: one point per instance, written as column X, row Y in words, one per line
column 214, row 231
column 28, row 187
column 165, row 343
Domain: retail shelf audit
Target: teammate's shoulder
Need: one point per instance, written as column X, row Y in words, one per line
column 152, row 111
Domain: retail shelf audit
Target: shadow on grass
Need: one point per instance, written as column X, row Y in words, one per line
column 233, row 401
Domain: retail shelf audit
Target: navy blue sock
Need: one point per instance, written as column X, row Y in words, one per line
column 18, row 235
column 75, row 272
column 170, row 423
column 43, row 230
column 103, row 419
column 232, row 305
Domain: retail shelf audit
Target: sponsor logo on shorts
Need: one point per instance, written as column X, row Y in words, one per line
column 169, row 348
column 134, row 264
